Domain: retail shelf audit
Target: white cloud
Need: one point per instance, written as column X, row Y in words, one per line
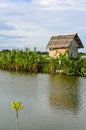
column 5, row 4
column 34, row 22
column 62, row 4
column 46, row 2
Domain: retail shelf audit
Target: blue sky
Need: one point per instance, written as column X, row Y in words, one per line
column 31, row 23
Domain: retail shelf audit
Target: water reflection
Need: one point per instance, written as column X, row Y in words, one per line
column 18, row 85
column 64, row 93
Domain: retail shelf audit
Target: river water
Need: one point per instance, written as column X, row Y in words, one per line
column 51, row 102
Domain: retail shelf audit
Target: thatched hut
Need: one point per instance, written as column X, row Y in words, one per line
column 62, row 43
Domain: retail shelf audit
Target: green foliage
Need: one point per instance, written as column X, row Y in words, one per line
column 17, row 105
column 82, row 66
column 26, row 60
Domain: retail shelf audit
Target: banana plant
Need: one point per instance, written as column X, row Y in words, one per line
column 17, row 106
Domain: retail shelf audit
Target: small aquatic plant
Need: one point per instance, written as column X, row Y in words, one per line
column 17, row 106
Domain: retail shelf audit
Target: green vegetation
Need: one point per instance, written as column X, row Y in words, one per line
column 40, row 62
column 17, row 106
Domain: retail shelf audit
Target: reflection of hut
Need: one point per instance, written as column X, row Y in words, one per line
column 62, row 43
column 64, row 95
